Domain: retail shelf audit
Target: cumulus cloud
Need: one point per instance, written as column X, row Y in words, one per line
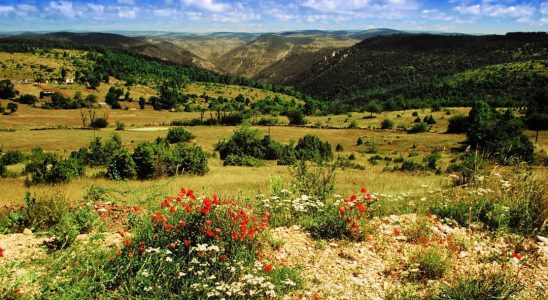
column 62, row 8
column 126, row 2
column 127, row 13
column 4, row 9
column 207, row 5
column 490, row 9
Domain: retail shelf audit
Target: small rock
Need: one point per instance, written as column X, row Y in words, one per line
column 27, row 231
column 401, row 238
column 463, row 254
column 332, row 244
column 543, row 240
column 101, row 210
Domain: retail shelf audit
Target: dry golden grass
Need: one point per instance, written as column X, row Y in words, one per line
column 21, row 66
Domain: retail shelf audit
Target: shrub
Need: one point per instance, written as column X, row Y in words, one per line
column 360, row 141
column 120, row 126
column 178, row 134
column 189, row 160
column 3, row 169
column 311, row 147
column 246, row 142
column 486, row 285
column 296, row 117
column 12, row 157
column 352, row 156
column 342, row 219
column 429, row 120
column 418, row 128
column 28, row 99
column 121, row 166
column 39, row 212
column 12, row 107
column 71, row 224
column 430, row 263
column 498, row 135
column 415, row 114
column 268, row 121
column 387, row 124
column 457, row 124
column 50, row 168
column 192, row 248
column 100, row 122
column 353, row 124
column 339, row 148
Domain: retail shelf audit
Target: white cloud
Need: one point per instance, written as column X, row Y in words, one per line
column 63, row 8
column 27, row 8
column 127, row 13
column 487, row 8
column 4, row 9
column 207, row 5
column 163, row 12
column 126, row 2
column 544, row 8
column 96, row 8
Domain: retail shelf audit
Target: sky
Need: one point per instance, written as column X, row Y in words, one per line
column 466, row 16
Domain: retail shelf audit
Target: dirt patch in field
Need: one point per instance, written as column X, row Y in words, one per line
column 149, row 129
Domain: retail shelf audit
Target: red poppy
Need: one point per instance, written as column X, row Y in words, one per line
column 172, row 209
column 141, row 249
column 127, row 243
column 516, row 255
column 182, row 223
column 364, row 191
column 171, row 246
column 268, row 268
column 187, row 242
column 121, row 233
column 130, row 254
column 137, row 209
column 397, row 231
column 1, row 252
column 234, row 235
column 223, row 258
column 361, row 206
column 188, row 209
column 167, row 227
column 209, row 232
column 342, row 209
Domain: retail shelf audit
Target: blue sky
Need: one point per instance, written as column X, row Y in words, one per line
column 469, row 16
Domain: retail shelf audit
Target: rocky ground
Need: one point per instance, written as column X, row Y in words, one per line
column 368, row 269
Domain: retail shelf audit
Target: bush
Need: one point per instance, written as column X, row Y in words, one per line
column 486, row 285
column 457, row 124
column 342, row 219
column 39, row 212
column 193, row 247
column 498, row 135
column 121, row 166
column 246, row 142
column 72, row 224
column 155, row 160
column 311, row 147
column 353, row 124
column 387, row 124
column 28, row 99
column 296, row 117
column 120, row 126
column 12, row 157
column 429, row 120
column 268, row 121
column 418, row 128
column 12, row 107
column 178, row 134
column 427, row 264
column 339, row 148
column 50, row 168
column 100, row 122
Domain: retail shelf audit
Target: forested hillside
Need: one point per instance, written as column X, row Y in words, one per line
column 410, row 70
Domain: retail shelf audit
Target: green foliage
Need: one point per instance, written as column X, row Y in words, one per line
column 121, row 166
column 27, row 99
column 101, row 122
column 458, row 124
column 339, row 148
column 387, row 124
column 12, row 107
column 498, row 135
column 316, row 180
column 7, row 89
column 39, row 212
column 155, row 160
column 418, row 128
column 373, row 107
column 12, row 157
column 59, row 101
column 120, row 126
column 429, row 120
column 487, row 285
column 49, row 168
column 246, row 143
column 296, row 117
column 267, row 121
column 311, row 147
column 71, row 224
column 430, row 263
column 178, row 134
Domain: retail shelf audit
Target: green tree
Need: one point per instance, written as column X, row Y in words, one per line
column 373, row 107
column 7, row 89
column 296, row 117
column 12, row 107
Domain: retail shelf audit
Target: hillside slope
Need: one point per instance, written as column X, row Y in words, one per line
column 416, row 66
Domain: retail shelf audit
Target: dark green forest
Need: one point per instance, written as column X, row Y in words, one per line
column 405, row 71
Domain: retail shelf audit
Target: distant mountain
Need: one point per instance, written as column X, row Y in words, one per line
column 259, row 55
column 420, row 66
